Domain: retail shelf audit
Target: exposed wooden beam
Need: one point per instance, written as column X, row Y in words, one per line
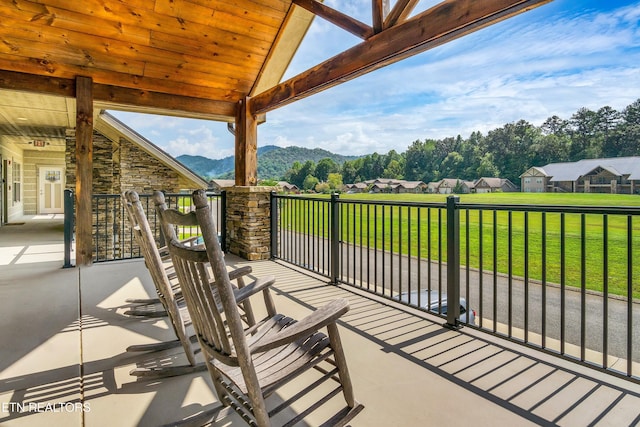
column 444, row 22
column 84, row 170
column 121, row 98
column 400, row 12
column 246, row 132
column 379, row 9
column 41, row 84
column 346, row 22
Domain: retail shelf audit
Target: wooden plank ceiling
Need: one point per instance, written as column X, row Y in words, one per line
column 199, row 58
column 213, row 51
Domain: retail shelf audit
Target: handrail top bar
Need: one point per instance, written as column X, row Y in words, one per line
column 603, row 210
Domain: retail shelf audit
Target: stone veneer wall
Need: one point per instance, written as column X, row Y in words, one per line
column 118, row 167
column 248, row 222
column 145, row 173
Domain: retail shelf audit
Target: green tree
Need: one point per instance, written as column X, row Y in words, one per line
column 351, row 172
column 309, row 182
column 419, row 161
column 584, row 135
column 394, row 170
column 625, row 141
column 453, row 165
column 511, row 145
column 487, row 168
column 325, row 167
column 335, row 181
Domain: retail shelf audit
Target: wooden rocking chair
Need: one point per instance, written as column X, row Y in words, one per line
column 170, row 294
column 247, row 369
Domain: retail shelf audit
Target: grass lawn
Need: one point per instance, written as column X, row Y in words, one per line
column 412, row 230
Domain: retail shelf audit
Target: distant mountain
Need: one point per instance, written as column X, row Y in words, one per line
column 273, row 161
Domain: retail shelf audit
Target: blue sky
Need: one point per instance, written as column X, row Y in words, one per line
column 553, row 60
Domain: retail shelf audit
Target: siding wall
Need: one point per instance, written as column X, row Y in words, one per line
column 12, row 153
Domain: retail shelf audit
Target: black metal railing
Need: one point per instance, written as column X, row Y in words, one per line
column 112, row 234
column 558, row 278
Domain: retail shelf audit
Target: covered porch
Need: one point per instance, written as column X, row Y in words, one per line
column 65, row 334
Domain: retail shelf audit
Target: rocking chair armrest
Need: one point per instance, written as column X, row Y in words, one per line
column 164, row 250
column 239, row 272
column 315, row 321
column 253, row 288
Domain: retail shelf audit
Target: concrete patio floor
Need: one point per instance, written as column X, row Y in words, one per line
column 63, row 360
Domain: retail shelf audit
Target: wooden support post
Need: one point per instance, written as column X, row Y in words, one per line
column 246, row 145
column 84, row 169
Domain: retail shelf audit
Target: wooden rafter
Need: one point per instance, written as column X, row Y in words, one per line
column 442, row 23
column 400, row 12
column 337, row 18
column 380, row 9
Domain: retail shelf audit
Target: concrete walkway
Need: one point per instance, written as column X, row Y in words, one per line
column 63, row 361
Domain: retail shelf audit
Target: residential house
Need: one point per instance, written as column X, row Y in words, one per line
column 618, row 175
column 358, row 187
column 446, row 185
column 416, row 187
column 390, row 185
column 469, row 186
column 450, row 186
column 493, row 185
column 381, row 187
column 288, row 187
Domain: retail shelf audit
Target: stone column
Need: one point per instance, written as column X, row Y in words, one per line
column 248, row 222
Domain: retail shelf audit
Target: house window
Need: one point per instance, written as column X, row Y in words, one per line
column 16, row 182
column 527, row 180
column 538, row 180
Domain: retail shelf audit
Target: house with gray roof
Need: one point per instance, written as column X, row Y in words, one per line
column 493, row 185
column 618, row 175
column 388, row 185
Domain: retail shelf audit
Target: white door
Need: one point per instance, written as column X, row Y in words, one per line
column 51, row 190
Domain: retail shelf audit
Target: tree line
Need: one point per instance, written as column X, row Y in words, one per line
column 505, row 152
